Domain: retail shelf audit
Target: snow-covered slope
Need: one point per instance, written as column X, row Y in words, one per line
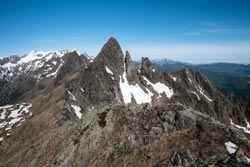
column 39, row 63
column 12, row 116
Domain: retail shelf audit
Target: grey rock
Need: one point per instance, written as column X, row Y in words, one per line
column 168, row 116
column 184, row 120
column 155, row 133
column 167, row 127
column 241, row 158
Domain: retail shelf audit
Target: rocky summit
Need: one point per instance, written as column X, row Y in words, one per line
column 67, row 109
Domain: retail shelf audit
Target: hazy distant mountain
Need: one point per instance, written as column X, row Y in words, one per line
column 168, row 61
column 227, row 68
column 75, row 111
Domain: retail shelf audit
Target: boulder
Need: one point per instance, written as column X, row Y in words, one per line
column 185, row 120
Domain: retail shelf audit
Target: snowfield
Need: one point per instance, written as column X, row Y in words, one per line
column 129, row 91
column 245, row 129
column 140, row 95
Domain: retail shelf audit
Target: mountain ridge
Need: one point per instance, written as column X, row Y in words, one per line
column 106, row 111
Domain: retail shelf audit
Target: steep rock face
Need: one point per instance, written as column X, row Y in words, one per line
column 72, row 63
column 111, row 56
column 108, row 113
column 147, row 68
column 132, row 73
column 99, row 83
column 12, row 59
column 194, row 89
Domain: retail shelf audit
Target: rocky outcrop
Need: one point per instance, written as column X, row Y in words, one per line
column 132, row 73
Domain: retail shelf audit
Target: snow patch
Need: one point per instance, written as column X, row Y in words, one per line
column 108, row 70
column 72, row 96
column 199, row 88
column 129, row 91
column 8, row 65
column 54, row 74
column 77, row 51
column 77, row 111
column 7, row 106
column 174, row 78
column 33, row 55
column 245, row 129
column 160, row 88
column 189, row 80
column 3, row 114
column 198, row 97
column 231, row 147
column 54, row 62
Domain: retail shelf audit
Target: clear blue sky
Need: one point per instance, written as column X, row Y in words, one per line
column 200, row 31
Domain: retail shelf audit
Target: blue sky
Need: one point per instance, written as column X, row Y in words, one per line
column 201, row 31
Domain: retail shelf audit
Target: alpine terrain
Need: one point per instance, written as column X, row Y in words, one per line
column 67, row 109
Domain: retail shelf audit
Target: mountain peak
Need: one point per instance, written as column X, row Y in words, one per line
column 112, row 44
column 111, row 55
column 112, row 40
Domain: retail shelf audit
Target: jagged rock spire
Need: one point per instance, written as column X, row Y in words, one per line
column 111, row 56
column 130, row 68
column 147, row 68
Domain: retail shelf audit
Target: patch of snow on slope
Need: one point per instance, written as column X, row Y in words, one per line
column 198, row 97
column 54, row 74
column 77, row 111
column 2, row 125
column 108, row 70
column 189, row 80
column 245, row 129
column 7, row 106
column 3, row 114
column 33, row 55
column 160, row 88
column 77, row 51
column 231, row 147
column 13, row 121
column 8, row 65
column 174, row 78
column 129, row 91
column 248, row 125
column 72, row 96
column 202, row 93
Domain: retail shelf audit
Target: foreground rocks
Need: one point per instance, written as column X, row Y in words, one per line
column 133, row 135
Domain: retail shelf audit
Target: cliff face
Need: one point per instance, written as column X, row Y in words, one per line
column 106, row 112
